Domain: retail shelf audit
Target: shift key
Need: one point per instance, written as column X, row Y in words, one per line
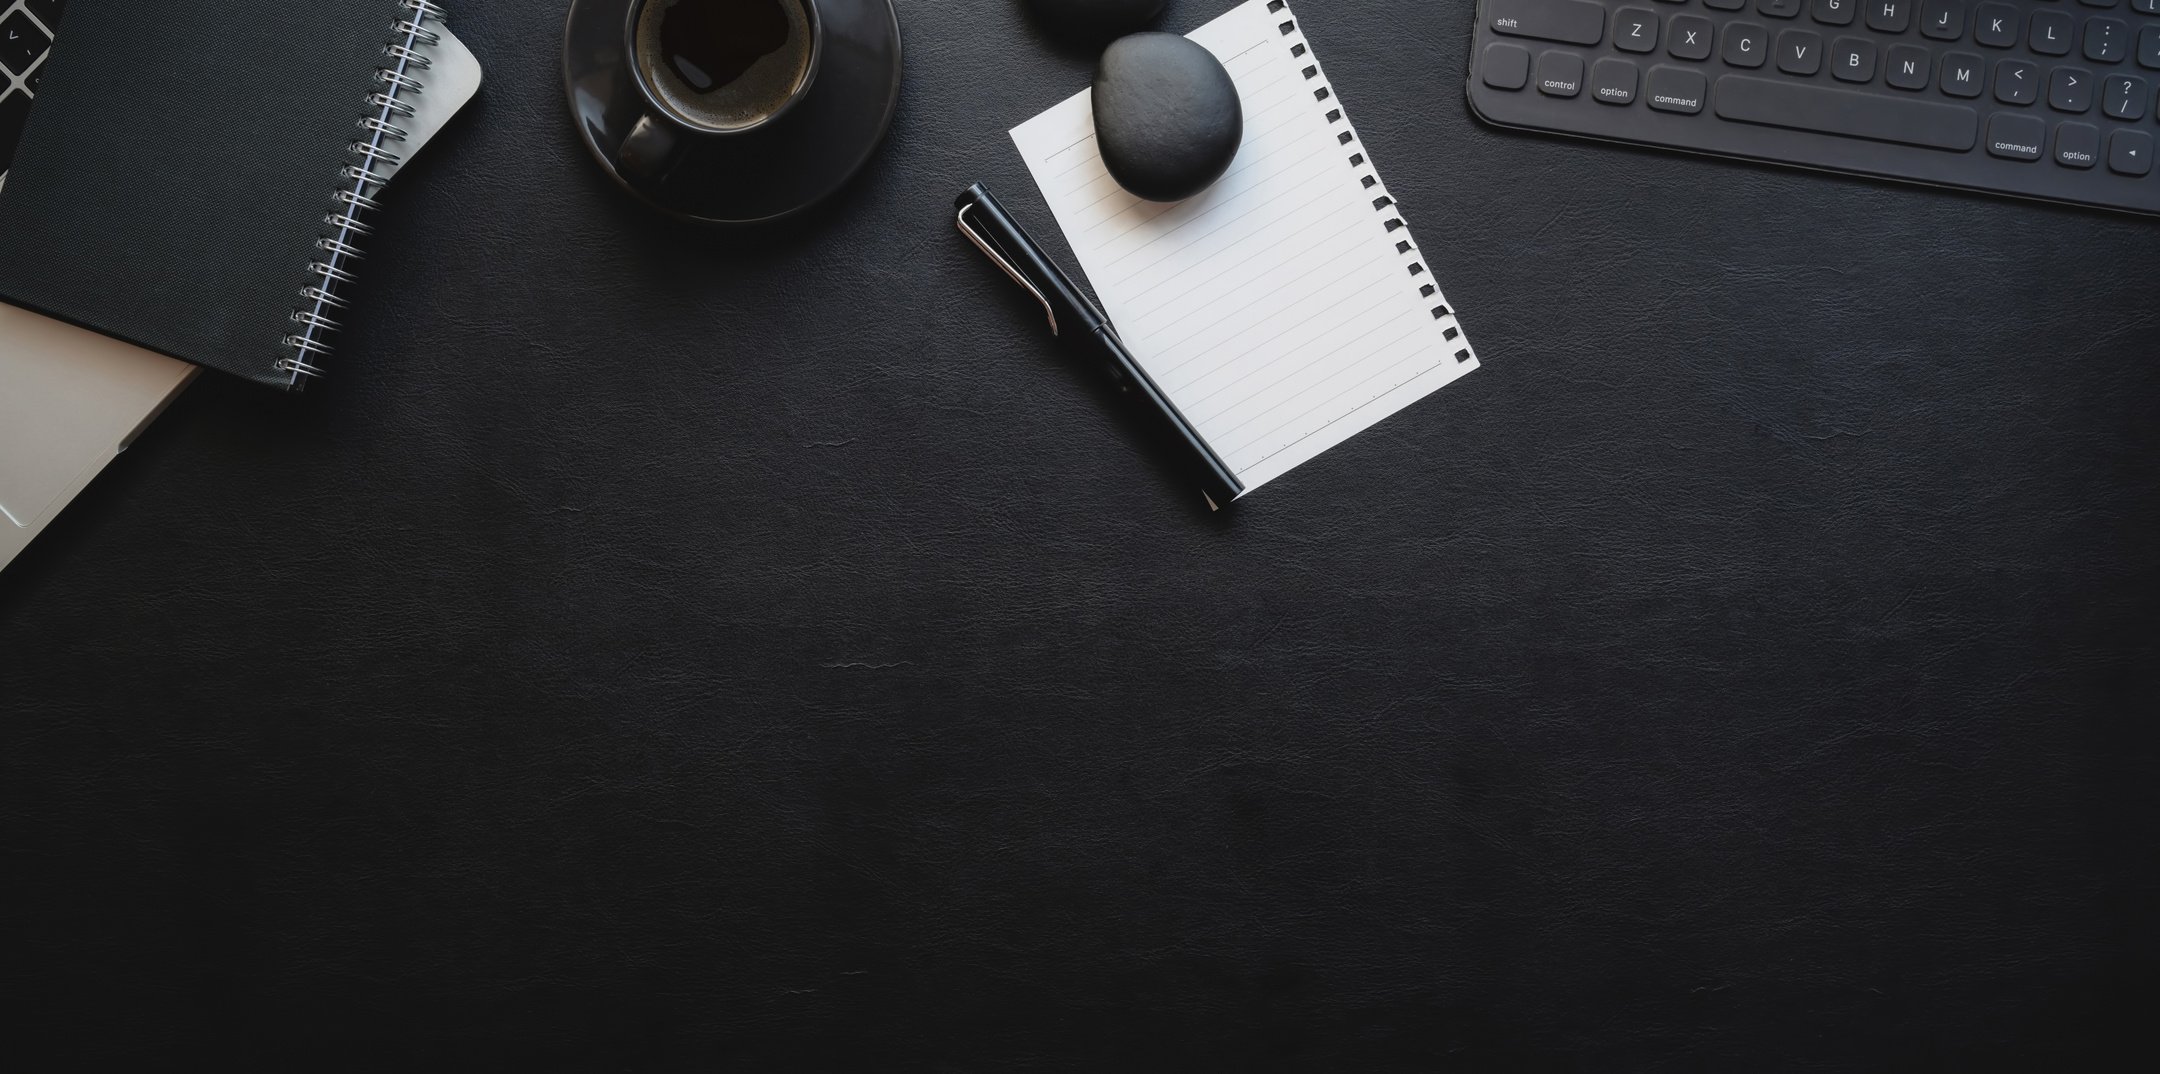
column 1572, row 21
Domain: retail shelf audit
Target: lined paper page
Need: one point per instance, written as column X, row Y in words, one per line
column 1287, row 308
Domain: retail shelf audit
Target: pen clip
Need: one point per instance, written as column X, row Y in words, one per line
column 989, row 249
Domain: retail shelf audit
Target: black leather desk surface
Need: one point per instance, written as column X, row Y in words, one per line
column 656, row 645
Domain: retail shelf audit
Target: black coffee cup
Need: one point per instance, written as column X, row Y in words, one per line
column 714, row 69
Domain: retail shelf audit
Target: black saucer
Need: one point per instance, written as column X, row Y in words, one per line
column 774, row 171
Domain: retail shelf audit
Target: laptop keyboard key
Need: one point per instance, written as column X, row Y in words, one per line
column 1506, row 66
column 2123, row 98
column 1559, row 74
column 2130, row 153
column 21, row 41
column 14, row 112
column 2050, row 33
column 1852, row 59
column 2107, row 40
column 1963, row 74
column 1675, row 89
column 2016, row 82
column 1839, row 12
column 1746, row 44
column 1575, row 22
column 2070, row 90
column 2077, row 145
column 1889, row 16
column 1799, row 52
column 1851, row 113
column 1943, row 20
column 1689, row 37
column 1635, row 30
column 2016, row 137
column 1612, row 80
column 2149, row 47
column 1907, row 67
column 1996, row 25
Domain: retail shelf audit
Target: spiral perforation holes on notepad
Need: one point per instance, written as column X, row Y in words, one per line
column 1346, row 137
column 386, row 105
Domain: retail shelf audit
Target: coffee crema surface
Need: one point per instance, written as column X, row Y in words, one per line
column 725, row 64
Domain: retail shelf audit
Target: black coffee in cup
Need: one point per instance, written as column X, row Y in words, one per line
column 724, row 64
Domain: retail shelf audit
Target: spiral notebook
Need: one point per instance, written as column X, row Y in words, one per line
column 1287, row 308
column 196, row 179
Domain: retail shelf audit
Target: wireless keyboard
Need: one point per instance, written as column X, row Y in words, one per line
column 2052, row 99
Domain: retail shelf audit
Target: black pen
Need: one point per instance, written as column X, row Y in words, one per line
column 1073, row 315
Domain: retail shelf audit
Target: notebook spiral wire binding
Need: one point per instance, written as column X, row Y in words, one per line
column 1346, row 138
column 387, row 104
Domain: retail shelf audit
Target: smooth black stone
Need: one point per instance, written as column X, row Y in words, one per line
column 1167, row 116
column 1096, row 20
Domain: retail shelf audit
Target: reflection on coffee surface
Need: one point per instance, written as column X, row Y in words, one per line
column 724, row 63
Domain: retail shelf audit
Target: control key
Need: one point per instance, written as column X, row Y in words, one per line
column 1575, row 22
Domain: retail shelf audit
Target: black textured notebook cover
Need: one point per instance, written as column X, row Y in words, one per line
column 174, row 176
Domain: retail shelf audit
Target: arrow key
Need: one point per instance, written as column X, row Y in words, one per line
column 2130, row 153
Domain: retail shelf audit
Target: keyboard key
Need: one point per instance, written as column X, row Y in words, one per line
column 1575, row 22
column 2123, row 97
column 1907, row 67
column 2077, row 145
column 1799, row 52
column 1996, row 25
column 2149, row 47
column 2016, row 82
column 2070, row 90
column 1612, row 81
column 1635, row 29
column 1810, row 107
column 2130, row 152
column 1689, row 37
column 2050, row 34
column 14, row 111
column 1746, row 44
column 1852, row 59
column 2149, row 7
column 21, row 41
column 2106, row 40
column 1778, row 9
column 1889, row 16
column 1506, row 66
column 1943, row 20
column 1675, row 89
column 2016, row 137
column 1963, row 74
column 1559, row 74
column 1840, row 12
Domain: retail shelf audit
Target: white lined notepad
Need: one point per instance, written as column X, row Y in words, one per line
column 1287, row 308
